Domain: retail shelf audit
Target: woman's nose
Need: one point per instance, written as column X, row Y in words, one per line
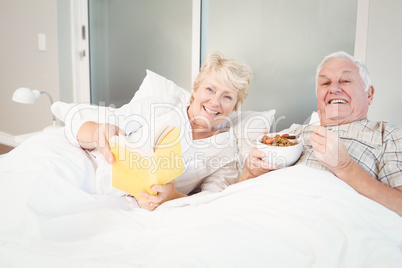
column 214, row 100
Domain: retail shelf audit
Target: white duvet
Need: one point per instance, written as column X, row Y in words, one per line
column 294, row 217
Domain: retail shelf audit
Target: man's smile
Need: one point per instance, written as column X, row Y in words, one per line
column 337, row 101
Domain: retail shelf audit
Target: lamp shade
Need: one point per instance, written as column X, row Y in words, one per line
column 25, row 95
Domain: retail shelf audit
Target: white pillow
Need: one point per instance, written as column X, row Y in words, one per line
column 155, row 85
column 152, row 85
column 314, row 119
column 62, row 109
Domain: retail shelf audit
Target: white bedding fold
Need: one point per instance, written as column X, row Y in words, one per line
column 294, row 217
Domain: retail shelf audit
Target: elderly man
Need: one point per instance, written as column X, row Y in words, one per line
column 366, row 155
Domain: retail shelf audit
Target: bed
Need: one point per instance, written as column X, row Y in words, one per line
column 53, row 216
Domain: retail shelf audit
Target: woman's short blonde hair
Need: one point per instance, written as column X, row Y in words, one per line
column 233, row 73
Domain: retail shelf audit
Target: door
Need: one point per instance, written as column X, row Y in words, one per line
column 129, row 36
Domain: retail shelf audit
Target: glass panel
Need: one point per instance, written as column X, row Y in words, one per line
column 283, row 41
column 127, row 37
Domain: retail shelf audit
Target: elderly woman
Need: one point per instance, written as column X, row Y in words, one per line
column 208, row 151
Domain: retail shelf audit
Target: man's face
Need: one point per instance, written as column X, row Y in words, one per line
column 340, row 93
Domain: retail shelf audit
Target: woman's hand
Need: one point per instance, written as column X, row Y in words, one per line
column 92, row 135
column 255, row 165
column 329, row 150
column 164, row 193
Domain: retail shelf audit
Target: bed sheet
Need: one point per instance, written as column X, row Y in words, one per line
column 51, row 216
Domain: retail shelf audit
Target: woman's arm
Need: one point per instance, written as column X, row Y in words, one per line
column 164, row 193
column 255, row 166
column 92, row 135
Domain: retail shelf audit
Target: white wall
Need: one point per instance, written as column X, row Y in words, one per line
column 282, row 41
column 384, row 59
column 22, row 64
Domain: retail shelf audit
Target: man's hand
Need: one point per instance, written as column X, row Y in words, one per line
column 329, row 150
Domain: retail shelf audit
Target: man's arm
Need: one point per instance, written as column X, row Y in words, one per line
column 331, row 153
column 354, row 175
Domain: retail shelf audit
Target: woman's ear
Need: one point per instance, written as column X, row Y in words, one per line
column 236, row 107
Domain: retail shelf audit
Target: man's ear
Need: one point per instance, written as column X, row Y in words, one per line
column 370, row 94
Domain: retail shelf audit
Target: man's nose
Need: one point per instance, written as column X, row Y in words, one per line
column 335, row 87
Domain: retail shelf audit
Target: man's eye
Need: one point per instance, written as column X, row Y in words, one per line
column 345, row 81
column 325, row 84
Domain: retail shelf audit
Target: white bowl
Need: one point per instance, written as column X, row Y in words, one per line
column 280, row 157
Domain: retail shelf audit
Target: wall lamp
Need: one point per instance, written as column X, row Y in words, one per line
column 29, row 96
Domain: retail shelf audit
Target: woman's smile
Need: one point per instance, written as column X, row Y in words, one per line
column 211, row 112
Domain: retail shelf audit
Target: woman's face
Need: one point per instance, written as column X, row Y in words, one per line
column 213, row 103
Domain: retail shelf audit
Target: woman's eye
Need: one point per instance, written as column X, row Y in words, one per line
column 228, row 97
column 209, row 89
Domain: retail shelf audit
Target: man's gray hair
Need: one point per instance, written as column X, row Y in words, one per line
column 343, row 55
